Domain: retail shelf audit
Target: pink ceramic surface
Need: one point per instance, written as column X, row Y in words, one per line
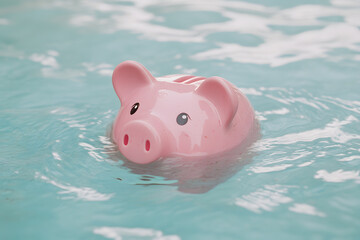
column 177, row 115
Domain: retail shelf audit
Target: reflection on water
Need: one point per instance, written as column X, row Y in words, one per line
column 189, row 175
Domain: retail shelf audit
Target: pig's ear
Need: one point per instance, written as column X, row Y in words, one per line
column 222, row 95
column 129, row 76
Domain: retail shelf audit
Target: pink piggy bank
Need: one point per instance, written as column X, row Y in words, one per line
column 177, row 115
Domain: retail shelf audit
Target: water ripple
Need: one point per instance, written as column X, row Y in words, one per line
column 331, row 130
column 278, row 47
column 84, row 193
column 264, row 199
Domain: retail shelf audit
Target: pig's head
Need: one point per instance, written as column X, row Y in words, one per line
column 158, row 119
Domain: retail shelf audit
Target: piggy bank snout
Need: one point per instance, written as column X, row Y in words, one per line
column 140, row 142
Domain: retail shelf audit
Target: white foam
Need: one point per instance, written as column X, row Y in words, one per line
column 52, row 68
column 46, row 60
column 278, row 48
column 264, row 199
column 104, row 69
column 306, row 163
column 64, row 111
column 347, row 159
column 105, row 72
column 306, row 209
column 92, row 151
column 62, row 73
column 331, row 130
column 281, row 111
column 56, row 156
column 250, row 91
column 353, row 106
column 4, row 21
column 275, row 168
column 93, row 67
column 82, row 20
column 346, row 3
column 289, row 100
column 53, row 53
column 268, row 164
column 118, row 233
column 338, row 176
column 261, row 115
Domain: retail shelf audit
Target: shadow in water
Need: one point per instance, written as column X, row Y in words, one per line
column 192, row 174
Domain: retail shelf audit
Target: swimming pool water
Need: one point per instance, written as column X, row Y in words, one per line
column 297, row 61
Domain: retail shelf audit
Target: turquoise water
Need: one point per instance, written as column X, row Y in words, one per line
column 297, row 61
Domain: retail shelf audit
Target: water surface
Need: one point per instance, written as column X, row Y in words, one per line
column 298, row 63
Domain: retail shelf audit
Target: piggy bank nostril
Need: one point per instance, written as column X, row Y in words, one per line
column 126, row 139
column 140, row 142
column 147, row 145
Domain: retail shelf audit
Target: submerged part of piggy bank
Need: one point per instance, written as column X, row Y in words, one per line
column 178, row 115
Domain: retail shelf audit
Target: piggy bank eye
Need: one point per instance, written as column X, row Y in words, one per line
column 182, row 118
column 134, row 108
